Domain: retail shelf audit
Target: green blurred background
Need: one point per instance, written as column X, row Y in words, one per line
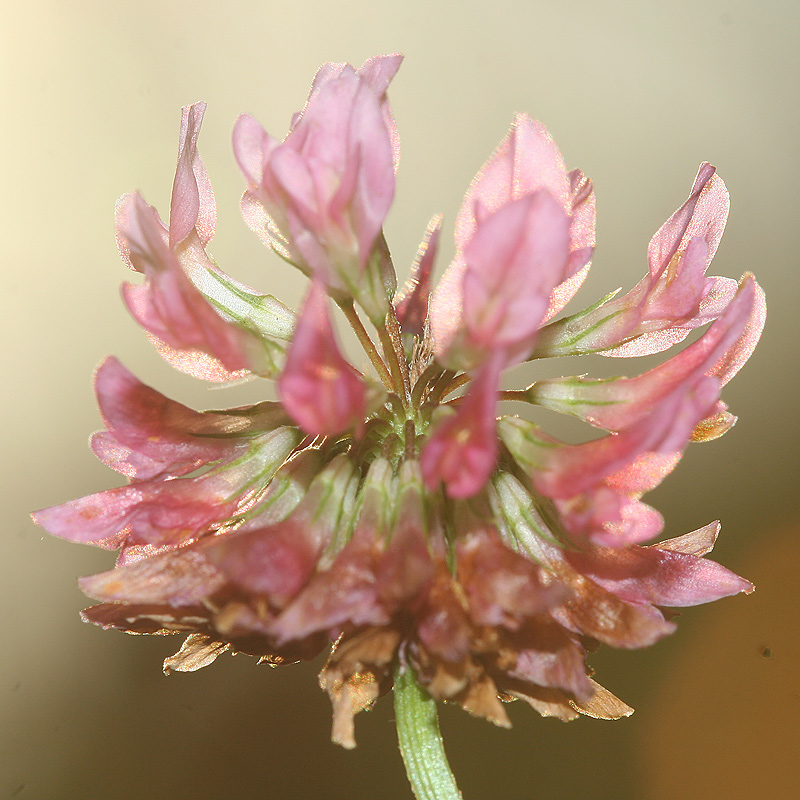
column 636, row 94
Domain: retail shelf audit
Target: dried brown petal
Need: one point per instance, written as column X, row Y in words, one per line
column 355, row 694
column 481, row 699
column 442, row 623
column 602, row 705
column 444, row 680
column 236, row 619
column 196, row 652
column 713, row 427
column 357, row 673
column 548, row 702
column 696, row 543
column 147, row 618
column 602, row 615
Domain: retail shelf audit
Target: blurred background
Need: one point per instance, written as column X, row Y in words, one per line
column 637, row 95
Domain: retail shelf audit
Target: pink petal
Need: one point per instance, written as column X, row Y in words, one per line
column 252, row 147
column 405, row 571
column 411, row 304
column 167, row 511
column 168, row 305
column 299, row 184
column 567, row 289
column 678, row 293
column 582, row 241
column 462, row 451
column 263, row 203
column 197, row 363
column 344, row 594
column 318, row 387
column 192, row 205
column 446, row 309
column 151, row 424
column 134, row 466
column 374, row 183
column 584, row 215
column 180, row 578
column 609, row 518
column 496, row 297
column 702, row 215
column 714, row 298
column 557, row 661
column 525, row 161
column 515, row 259
column 573, row 469
column 660, row 577
column 274, row 562
column 618, row 403
column 737, row 355
column 643, row 473
column 378, row 71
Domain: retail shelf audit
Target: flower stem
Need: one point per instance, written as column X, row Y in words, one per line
column 396, row 339
column 425, row 382
column 369, row 346
column 456, row 383
column 420, row 741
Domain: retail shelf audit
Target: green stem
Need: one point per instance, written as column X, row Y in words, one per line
column 425, row 381
column 396, row 363
column 420, row 741
column 391, row 360
column 456, row 383
column 369, row 346
column 396, row 338
column 444, row 385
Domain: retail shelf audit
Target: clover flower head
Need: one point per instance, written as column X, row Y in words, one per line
column 395, row 513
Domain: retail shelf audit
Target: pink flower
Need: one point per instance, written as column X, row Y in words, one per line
column 671, row 573
column 320, row 197
column 318, row 388
column 527, row 163
column 463, row 449
column 671, row 300
column 170, row 511
column 193, row 209
column 168, row 305
column 617, row 403
column 411, row 304
column 149, row 435
column 596, row 485
column 409, row 527
column 184, row 325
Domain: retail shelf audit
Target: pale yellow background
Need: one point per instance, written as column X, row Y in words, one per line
column 636, row 94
